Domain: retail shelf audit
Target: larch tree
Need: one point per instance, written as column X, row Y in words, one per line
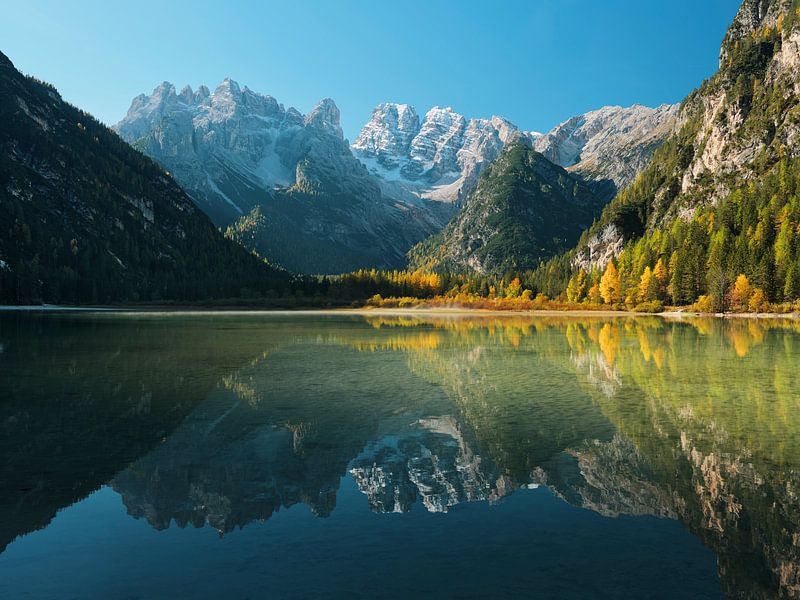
column 645, row 285
column 740, row 294
column 610, row 284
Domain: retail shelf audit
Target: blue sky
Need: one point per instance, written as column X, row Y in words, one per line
column 534, row 62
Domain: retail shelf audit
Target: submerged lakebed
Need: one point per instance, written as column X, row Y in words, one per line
column 301, row 455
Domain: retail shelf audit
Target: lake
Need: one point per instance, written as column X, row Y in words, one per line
column 319, row 455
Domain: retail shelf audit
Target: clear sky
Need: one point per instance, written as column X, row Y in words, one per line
column 535, row 62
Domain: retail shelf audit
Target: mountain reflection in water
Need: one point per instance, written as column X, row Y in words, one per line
column 224, row 420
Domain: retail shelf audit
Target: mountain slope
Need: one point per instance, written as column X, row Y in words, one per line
column 86, row 218
column 287, row 184
column 525, row 209
column 720, row 195
column 613, row 142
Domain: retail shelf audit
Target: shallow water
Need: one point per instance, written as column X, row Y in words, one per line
column 249, row 456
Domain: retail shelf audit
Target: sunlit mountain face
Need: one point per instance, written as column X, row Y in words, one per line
column 661, row 446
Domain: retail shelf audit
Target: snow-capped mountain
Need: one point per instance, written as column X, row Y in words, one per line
column 231, row 147
column 438, row 158
column 286, row 183
column 613, row 143
column 290, row 186
column 441, row 157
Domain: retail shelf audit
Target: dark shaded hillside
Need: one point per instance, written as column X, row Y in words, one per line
column 86, row 218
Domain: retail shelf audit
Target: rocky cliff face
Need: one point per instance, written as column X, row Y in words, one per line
column 277, row 177
column 612, row 143
column 231, row 147
column 188, row 133
column 439, row 158
column 731, row 130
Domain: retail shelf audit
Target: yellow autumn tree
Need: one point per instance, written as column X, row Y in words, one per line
column 576, row 289
column 645, row 285
column 740, row 294
column 661, row 279
column 514, row 288
column 757, row 300
column 594, row 294
column 610, row 284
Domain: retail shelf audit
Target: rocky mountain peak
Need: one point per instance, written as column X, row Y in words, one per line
column 439, row 158
column 228, row 86
column 389, row 131
column 325, row 116
column 186, row 95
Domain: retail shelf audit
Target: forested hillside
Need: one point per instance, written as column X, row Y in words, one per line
column 720, row 198
column 85, row 218
column 524, row 209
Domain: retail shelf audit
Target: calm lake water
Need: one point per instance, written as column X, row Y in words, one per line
column 298, row 456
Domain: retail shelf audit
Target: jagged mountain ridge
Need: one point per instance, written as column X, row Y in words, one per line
column 286, row 183
column 613, row 142
column 442, row 156
column 232, row 146
column 289, row 187
column 89, row 219
column 439, row 158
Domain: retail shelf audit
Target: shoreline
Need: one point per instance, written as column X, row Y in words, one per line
column 436, row 311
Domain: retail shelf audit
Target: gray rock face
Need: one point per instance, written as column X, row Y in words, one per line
column 439, row 158
column 612, row 143
column 388, row 135
column 253, row 164
column 735, row 130
column 232, row 147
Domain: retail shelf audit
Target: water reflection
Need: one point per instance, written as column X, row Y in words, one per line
column 224, row 421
